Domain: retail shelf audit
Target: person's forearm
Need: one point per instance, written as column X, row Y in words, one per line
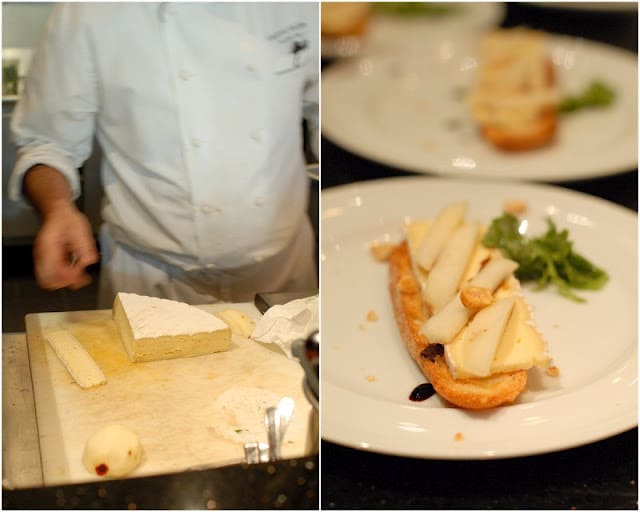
column 47, row 189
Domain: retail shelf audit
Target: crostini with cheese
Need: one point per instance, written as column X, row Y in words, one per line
column 514, row 98
column 461, row 313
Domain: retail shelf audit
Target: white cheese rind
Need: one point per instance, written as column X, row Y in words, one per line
column 152, row 316
column 152, row 329
column 75, row 358
column 522, row 346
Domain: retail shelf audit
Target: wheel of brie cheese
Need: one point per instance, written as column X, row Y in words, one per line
column 112, row 451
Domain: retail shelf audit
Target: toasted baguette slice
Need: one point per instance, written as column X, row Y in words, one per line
column 531, row 78
column 534, row 135
column 477, row 393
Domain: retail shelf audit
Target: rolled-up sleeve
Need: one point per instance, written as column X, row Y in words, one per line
column 53, row 123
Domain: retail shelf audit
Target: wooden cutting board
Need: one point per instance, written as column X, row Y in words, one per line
column 171, row 405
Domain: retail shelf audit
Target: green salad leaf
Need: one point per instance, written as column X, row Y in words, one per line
column 416, row 8
column 597, row 94
column 547, row 259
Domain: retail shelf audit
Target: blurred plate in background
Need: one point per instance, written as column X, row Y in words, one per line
column 408, row 111
column 399, row 27
column 589, row 6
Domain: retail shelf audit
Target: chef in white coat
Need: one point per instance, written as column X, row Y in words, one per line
column 198, row 109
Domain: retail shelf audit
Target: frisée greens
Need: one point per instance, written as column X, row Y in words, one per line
column 597, row 94
column 547, row 259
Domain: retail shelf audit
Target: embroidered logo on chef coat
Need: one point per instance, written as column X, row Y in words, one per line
column 292, row 44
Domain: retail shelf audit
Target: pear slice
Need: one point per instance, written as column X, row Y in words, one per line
column 445, row 276
column 449, row 321
column 479, row 342
column 436, row 238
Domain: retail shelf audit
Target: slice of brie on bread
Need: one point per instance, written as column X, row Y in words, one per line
column 152, row 328
column 473, row 339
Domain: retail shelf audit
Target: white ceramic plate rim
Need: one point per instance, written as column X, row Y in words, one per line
column 602, row 408
column 475, row 16
column 343, row 124
column 593, row 7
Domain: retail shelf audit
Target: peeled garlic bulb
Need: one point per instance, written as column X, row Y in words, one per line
column 112, row 451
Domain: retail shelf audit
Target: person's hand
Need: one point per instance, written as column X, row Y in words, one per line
column 64, row 248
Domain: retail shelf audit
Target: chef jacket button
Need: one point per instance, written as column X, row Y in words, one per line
column 205, row 208
column 251, row 68
column 196, row 143
column 185, row 75
column 256, row 135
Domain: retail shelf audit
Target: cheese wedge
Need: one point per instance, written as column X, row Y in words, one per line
column 152, row 328
column 522, row 346
column 75, row 358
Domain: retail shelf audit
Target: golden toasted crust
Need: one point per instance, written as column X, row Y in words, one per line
column 537, row 134
column 481, row 393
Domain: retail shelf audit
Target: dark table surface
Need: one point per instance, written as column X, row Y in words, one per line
column 601, row 475
column 286, row 484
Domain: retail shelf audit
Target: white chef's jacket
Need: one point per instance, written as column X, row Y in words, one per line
column 198, row 110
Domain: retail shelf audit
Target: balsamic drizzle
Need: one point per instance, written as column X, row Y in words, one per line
column 422, row 392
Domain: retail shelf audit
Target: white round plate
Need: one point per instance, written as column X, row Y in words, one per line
column 367, row 374
column 391, row 33
column 589, row 6
column 408, row 111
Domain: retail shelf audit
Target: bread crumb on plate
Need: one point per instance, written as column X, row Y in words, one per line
column 515, row 207
column 380, row 250
column 553, row 371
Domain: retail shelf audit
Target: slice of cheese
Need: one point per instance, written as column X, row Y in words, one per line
column 75, row 358
column 152, row 328
column 239, row 323
column 522, row 346
column 472, row 353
